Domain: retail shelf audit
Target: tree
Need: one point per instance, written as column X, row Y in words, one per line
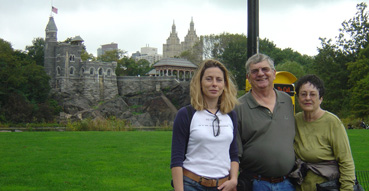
column 36, row 51
column 360, row 98
column 112, row 55
column 86, row 56
column 293, row 67
column 24, row 85
column 337, row 63
column 359, row 81
column 234, row 57
column 354, row 34
column 195, row 54
column 129, row 67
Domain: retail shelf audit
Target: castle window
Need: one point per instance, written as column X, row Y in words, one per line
column 71, row 71
column 100, row 71
column 71, row 58
column 91, row 71
column 108, row 72
column 58, row 71
column 58, row 58
column 82, row 71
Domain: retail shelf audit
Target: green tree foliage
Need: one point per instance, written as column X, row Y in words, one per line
column 354, row 34
column 214, row 45
column 129, row 67
column 234, row 57
column 360, row 98
column 112, row 55
column 231, row 49
column 293, row 67
column 338, row 64
column 24, row 87
column 330, row 66
column 86, row 56
column 360, row 68
column 195, row 54
column 36, row 51
column 359, row 81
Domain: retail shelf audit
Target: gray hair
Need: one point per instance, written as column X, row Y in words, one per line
column 256, row 58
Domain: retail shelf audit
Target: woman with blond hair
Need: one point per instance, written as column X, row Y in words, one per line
column 204, row 149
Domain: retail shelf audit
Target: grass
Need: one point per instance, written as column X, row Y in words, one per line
column 92, row 160
column 359, row 142
column 134, row 160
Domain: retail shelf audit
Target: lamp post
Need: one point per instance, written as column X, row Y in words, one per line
column 252, row 27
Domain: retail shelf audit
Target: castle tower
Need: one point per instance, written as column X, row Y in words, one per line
column 50, row 48
column 191, row 38
column 173, row 46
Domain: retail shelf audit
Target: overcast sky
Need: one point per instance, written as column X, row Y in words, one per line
column 133, row 24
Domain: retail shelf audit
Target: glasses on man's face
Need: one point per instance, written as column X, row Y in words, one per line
column 215, row 123
column 263, row 69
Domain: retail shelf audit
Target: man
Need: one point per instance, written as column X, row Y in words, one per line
column 266, row 127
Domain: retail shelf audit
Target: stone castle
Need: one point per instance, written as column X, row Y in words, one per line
column 94, row 80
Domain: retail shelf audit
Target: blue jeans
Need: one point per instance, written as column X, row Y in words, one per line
column 260, row 185
column 191, row 185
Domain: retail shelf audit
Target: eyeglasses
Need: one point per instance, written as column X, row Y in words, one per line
column 216, row 133
column 264, row 70
column 312, row 95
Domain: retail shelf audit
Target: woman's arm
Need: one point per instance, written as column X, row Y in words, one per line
column 177, row 175
column 342, row 152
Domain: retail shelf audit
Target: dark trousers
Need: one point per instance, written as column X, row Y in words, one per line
column 245, row 181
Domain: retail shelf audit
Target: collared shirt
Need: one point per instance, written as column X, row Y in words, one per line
column 265, row 138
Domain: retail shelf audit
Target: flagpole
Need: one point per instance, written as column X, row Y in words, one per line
column 51, row 11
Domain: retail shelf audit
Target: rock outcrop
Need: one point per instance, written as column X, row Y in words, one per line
column 140, row 108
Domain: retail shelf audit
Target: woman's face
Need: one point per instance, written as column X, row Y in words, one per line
column 212, row 83
column 309, row 98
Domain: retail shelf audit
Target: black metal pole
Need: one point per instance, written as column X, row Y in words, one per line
column 252, row 27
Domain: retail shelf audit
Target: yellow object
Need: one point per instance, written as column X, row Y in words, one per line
column 283, row 82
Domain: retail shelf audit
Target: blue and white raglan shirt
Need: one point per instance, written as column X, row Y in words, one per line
column 204, row 154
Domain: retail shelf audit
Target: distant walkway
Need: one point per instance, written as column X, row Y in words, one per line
column 21, row 129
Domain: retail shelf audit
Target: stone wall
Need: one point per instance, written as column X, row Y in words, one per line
column 131, row 85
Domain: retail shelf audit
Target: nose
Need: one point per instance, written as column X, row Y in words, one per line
column 260, row 71
column 214, row 82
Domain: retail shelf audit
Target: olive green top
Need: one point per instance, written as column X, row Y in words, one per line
column 324, row 139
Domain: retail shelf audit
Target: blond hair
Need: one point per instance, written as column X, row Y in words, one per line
column 227, row 101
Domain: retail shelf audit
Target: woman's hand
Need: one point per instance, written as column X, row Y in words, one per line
column 229, row 185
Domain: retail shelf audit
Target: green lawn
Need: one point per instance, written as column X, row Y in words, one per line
column 359, row 141
column 133, row 160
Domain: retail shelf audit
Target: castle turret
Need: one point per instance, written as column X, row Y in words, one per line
column 50, row 46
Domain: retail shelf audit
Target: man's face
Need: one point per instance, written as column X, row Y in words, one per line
column 261, row 76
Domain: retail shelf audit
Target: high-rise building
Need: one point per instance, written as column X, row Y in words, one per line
column 174, row 48
column 148, row 53
column 107, row 47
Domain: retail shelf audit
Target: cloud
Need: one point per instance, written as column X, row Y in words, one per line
column 133, row 24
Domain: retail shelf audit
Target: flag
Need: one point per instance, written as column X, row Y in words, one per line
column 55, row 10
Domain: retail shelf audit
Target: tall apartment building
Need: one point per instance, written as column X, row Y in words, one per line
column 148, row 53
column 107, row 47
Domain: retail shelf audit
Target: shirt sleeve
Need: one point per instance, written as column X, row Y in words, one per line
column 343, row 156
column 180, row 136
column 233, row 150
